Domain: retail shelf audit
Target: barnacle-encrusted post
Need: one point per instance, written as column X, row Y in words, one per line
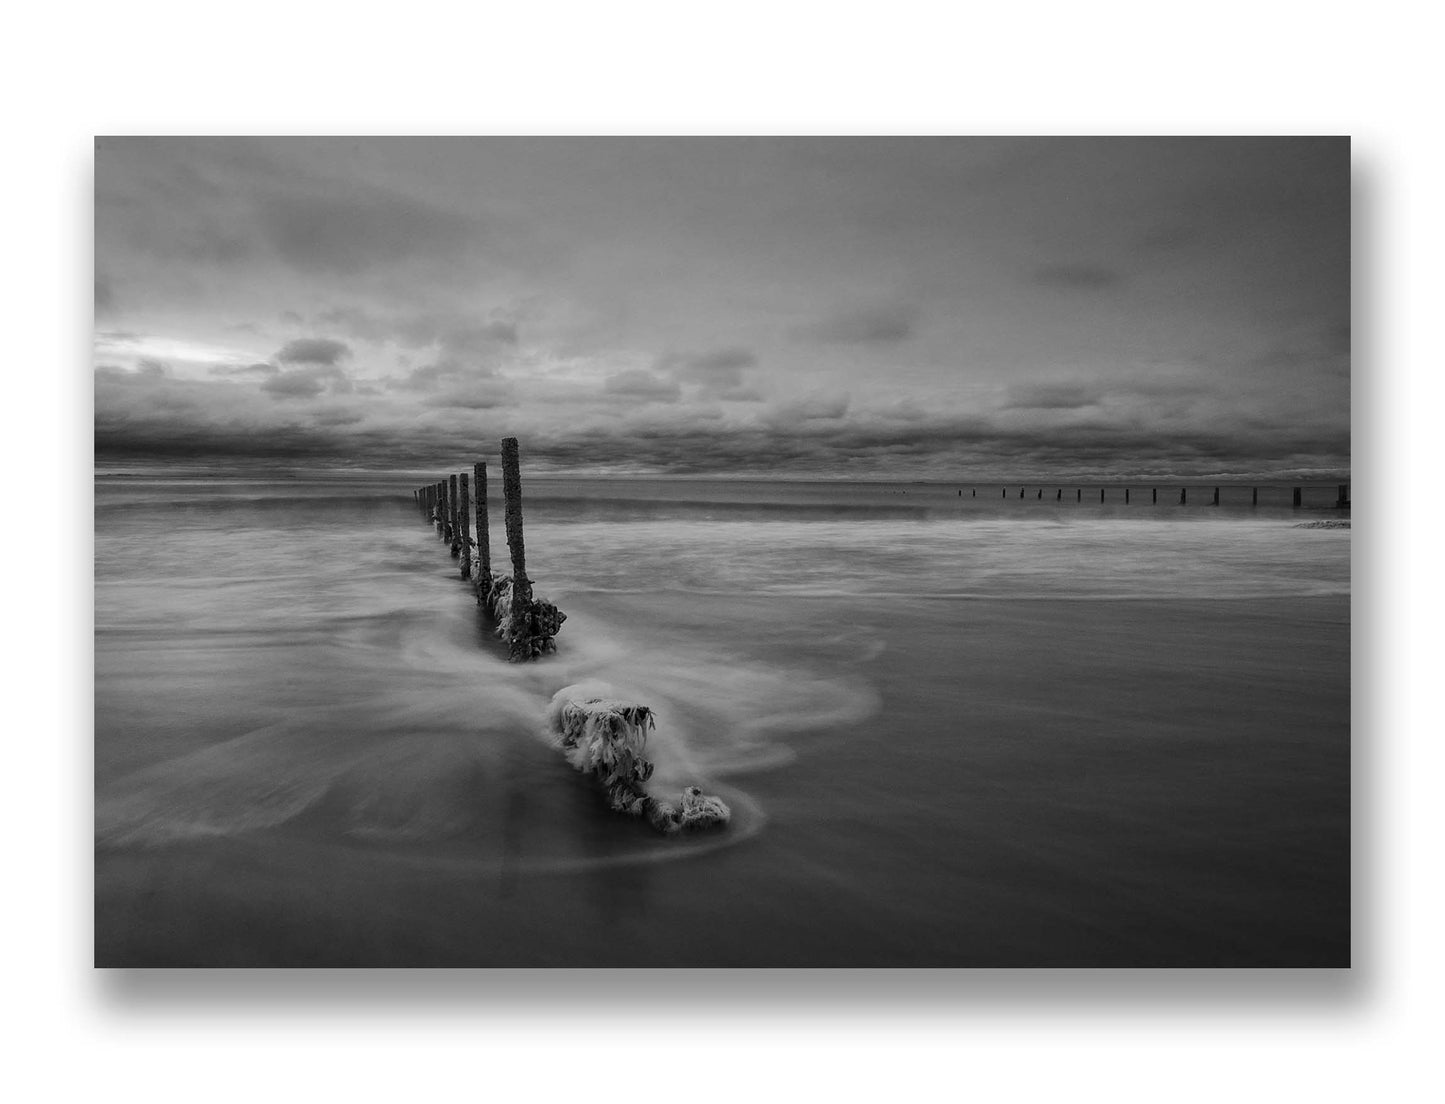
column 483, row 574
column 607, row 739
column 453, row 532
column 464, row 508
column 521, row 585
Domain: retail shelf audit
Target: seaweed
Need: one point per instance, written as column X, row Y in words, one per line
column 605, row 738
column 535, row 634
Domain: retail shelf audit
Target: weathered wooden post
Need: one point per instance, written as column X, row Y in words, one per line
column 439, row 513
column 1041, row 494
column 1154, row 495
column 512, row 494
column 1297, row 498
column 1126, row 496
column 454, row 517
column 1342, row 499
column 1021, row 492
column 484, row 541
column 1216, row 497
column 1101, row 494
column 1079, row 494
column 466, row 526
column 1254, row 496
column 1183, row 495
column 1059, row 497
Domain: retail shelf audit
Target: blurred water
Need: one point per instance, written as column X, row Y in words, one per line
column 289, row 665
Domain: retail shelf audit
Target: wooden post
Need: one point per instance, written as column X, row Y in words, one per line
column 1154, row 495
column 441, row 508
column 1079, row 495
column 1060, row 496
column 1183, row 495
column 1342, row 499
column 1126, row 496
column 1216, row 497
column 1101, row 494
column 521, row 585
column 484, row 540
column 1041, row 494
column 1004, row 493
column 466, row 526
column 1297, row 498
column 1254, row 496
column 1021, row 492
column 454, row 517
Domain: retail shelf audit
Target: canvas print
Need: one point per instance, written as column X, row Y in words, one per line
column 722, row 551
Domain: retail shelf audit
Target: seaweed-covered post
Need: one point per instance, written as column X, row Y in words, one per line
column 1297, row 498
column 466, row 526
column 483, row 573
column 512, row 494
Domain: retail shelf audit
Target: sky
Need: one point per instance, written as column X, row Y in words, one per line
column 902, row 308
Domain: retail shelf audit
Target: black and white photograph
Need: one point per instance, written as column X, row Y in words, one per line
column 722, row 551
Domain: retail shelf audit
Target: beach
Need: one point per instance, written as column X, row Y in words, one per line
column 949, row 738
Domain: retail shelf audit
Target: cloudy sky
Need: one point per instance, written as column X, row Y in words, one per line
column 895, row 307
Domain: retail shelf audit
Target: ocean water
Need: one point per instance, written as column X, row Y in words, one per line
column 954, row 728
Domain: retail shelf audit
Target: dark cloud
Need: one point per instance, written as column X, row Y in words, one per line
column 139, row 415
column 877, row 325
column 644, row 386
column 474, row 394
column 732, row 359
column 442, row 373
column 307, row 382
column 1078, row 277
column 718, row 373
column 1052, row 396
column 825, row 408
column 342, row 234
column 313, row 350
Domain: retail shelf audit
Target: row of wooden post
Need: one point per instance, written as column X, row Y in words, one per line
column 1342, row 500
column 447, row 502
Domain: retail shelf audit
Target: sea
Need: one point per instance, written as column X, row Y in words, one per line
column 956, row 724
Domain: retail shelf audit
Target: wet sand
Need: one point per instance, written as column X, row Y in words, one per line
column 1073, row 783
